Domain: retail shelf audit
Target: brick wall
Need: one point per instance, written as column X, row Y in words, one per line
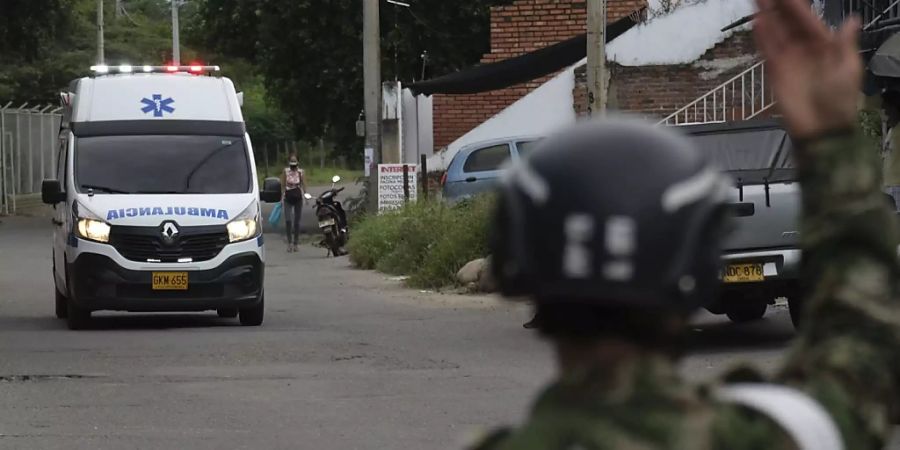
column 516, row 29
column 658, row 91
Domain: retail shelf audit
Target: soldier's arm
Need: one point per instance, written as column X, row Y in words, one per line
column 847, row 354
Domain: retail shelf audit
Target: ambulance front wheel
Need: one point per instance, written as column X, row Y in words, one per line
column 253, row 316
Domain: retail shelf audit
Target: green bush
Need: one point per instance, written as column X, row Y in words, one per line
column 373, row 237
column 428, row 241
column 419, row 224
column 463, row 237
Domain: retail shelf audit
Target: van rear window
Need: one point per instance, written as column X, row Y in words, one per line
column 162, row 165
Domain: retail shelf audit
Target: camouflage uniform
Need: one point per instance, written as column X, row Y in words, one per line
column 847, row 355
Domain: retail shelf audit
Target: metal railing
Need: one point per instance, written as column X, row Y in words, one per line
column 29, row 139
column 742, row 97
column 873, row 13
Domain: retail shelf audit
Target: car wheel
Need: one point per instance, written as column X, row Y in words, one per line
column 253, row 316
column 795, row 308
column 227, row 313
column 77, row 318
column 62, row 305
column 61, row 300
column 746, row 312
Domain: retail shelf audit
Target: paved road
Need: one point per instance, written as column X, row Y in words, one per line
column 346, row 360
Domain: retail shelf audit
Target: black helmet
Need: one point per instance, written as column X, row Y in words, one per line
column 613, row 213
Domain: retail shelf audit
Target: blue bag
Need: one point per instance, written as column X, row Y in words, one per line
column 275, row 216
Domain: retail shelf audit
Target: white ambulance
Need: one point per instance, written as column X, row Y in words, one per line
column 156, row 202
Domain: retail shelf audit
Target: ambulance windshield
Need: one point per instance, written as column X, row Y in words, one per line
column 162, row 165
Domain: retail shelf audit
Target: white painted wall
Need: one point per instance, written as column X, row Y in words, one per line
column 680, row 37
column 418, row 127
column 541, row 112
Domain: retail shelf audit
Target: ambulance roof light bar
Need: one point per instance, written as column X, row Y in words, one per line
column 125, row 68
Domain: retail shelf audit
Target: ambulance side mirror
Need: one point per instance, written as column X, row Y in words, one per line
column 271, row 191
column 51, row 192
column 240, row 99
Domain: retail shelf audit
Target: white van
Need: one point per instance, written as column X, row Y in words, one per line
column 156, row 202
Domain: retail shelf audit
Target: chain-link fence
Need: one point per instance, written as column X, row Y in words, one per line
column 29, row 137
column 272, row 157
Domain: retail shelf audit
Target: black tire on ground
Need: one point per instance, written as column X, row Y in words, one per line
column 62, row 305
column 77, row 318
column 61, row 308
column 331, row 241
column 227, row 313
column 253, row 316
column 795, row 308
column 746, row 312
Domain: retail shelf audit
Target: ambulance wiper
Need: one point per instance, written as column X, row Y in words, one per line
column 104, row 189
column 159, row 192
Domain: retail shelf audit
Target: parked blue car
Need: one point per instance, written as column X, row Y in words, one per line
column 476, row 168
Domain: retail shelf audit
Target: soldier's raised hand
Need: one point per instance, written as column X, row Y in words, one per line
column 816, row 73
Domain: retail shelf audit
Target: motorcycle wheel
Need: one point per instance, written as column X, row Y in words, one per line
column 331, row 240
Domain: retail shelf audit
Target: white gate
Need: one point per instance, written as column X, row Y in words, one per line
column 28, row 151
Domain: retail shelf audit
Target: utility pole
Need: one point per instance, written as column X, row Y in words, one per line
column 176, row 41
column 596, row 57
column 101, row 52
column 372, row 78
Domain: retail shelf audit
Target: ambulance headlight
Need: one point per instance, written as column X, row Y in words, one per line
column 244, row 226
column 241, row 230
column 93, row 230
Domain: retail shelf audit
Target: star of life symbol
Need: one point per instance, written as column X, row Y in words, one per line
column 158, row 105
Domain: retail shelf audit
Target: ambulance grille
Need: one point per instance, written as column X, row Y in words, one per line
column 146, row 244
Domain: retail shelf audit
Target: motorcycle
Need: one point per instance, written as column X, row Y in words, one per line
column 332, row 219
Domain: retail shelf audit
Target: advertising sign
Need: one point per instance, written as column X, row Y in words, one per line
column 390, row 185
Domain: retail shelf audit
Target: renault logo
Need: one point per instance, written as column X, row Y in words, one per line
column 169, row 232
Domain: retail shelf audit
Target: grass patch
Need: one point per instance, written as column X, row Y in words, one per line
column 316, row 176
column 428, row 241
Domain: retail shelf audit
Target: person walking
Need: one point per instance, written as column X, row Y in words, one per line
column 294, row 181
column 614, row 229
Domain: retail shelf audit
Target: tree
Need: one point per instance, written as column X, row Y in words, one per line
column 310, row 51
column 227, row 27
column 28, row 26
column 33, row 34
column 47, row 43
